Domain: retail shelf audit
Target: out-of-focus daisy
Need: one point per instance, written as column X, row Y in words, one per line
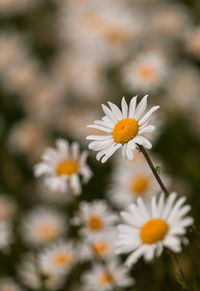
column 7, row 208
column 96, row 217
column 184, row 79
column 27, row 137
column 148, row 229
column 58, row 258
column 100, row 279
column 145, row 73
column 5, row 236
column 42, row 226
column 104, row 247
column 169, row 21
column 62, row 166
column 124, row 129
column 31, row 274
column 8, row 284
column 130, row 181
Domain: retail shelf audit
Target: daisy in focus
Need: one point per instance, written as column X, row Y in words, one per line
column 148, row 229
column 124, row 129
column 43, row 226
column 57, row 258
column 115, row 275
column 62, row 166
column 97, row 219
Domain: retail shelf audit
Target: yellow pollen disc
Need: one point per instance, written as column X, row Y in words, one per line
column 139, row 184
column 100, row 248
column 125, row 130
column 115, row 35
column 95, row 223
column 62, row 259
column 153, row 231
column 47, row 232
column 106, row 279
column 147, row 73
column 67, row 168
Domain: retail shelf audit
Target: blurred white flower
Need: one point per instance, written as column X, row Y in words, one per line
column 62, row 166
column 43, row 225
column 146, row 72
column 148, row 229
column 100, row 279
column 58, row 258
column 124, row 128
column 130, row 181
column 31, row 274
column 104, row 247
column 96, row 219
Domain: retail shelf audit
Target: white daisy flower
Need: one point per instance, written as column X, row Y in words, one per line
column 58, row 258
column 130, row 181
column 148, row 229
column 30, row 274
column 42, row 226
column 124, row 128
column 103, row 247
column 8, row 284
column 146, row 72
column 62, row 166
column 97, row 219
column 100, row 279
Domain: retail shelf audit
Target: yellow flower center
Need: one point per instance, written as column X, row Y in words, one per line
column 62, row 259
column 95, row 223
column 106, row 279
column 100, row 248
column 125, row 130
column 147, row 73
column 153, row 231
column 67, row 168
column 47, row 232
column 139, row 184
column 115, row 35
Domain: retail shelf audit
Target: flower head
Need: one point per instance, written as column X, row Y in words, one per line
column 43, row 226
column 100, row 279
column 124, row 128
column 97, row 219
column 61, row 167
column 149, row 228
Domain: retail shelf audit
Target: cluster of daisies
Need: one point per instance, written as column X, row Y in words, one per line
column 134, row 219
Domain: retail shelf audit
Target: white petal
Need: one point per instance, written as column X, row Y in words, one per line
column 116, row 111
column 110, row 152
column 99, row 137
column 132, row 107
column 132, row 259
column 149, row 128
column 100, row 128
column 124, row 108
column 147, row 115
column 75, row 150
column 75, row 184
column 141, row 108
column 109, row 113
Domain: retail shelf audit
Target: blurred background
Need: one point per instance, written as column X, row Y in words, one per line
column 59, row 61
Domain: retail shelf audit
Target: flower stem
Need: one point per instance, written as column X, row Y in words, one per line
column 160, row 182
column 180, row 270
